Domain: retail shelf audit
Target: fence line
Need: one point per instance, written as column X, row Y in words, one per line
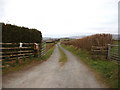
column 99, row 49
column 11, row 52
column 110, row 51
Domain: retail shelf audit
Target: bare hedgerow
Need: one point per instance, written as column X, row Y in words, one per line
column 89, row 41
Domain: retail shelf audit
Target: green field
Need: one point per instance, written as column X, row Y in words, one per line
column 116, row 42
column 114, row 51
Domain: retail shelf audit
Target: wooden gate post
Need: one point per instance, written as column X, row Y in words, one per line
column 36, row 50
column 43, row 50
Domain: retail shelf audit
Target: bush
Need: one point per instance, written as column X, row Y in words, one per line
column 17, row 34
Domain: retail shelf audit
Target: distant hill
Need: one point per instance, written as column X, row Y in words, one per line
column 77, row 37
column 116, row 36
column 46, row 38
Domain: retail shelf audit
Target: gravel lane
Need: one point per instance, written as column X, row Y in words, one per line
column 50, row 74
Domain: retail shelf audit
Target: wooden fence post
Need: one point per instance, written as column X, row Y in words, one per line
column 109, row 48
column 43, row 50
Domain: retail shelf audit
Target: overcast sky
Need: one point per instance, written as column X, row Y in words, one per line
column 61, row 18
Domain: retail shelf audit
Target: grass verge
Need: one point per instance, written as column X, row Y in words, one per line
column 28, row 62
column 49, row 45
column 107, row 70
column 63, row 57
column 48, row 53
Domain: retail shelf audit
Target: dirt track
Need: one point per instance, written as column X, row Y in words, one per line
column 50, row 74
